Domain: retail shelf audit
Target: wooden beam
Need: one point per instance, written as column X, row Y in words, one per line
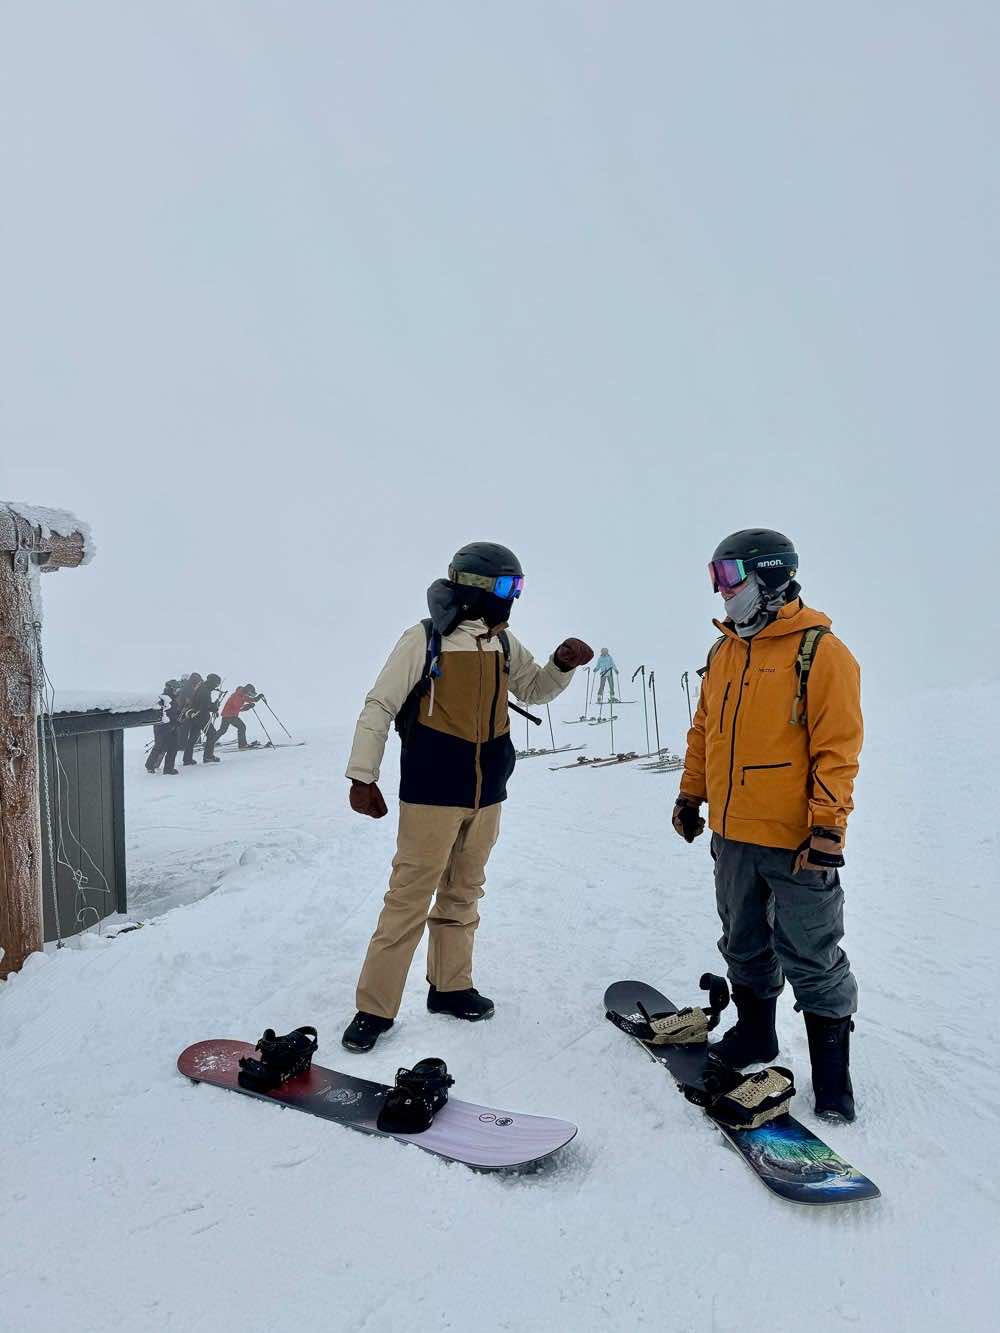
column 20, row 834
column 27, row 542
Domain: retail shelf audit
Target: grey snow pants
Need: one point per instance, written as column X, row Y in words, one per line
column 776, row 925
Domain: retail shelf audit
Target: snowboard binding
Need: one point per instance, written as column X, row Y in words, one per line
column 419, row 1093
column 743, row 1101
column 685, row 1027
column 281, row 1058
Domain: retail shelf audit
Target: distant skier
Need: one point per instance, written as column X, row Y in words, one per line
column 446, row 684
column 605, row 668
column 166, row 740
column 242, row 699
column 201, row 708
column 774, row 750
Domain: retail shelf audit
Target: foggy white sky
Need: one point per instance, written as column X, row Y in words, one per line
column 297, row 298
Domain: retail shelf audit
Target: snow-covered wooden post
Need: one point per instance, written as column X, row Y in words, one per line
column 32, row 540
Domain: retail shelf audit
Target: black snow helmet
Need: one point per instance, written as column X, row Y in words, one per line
column 769, row 554
column 487, row 558
column 213, row 680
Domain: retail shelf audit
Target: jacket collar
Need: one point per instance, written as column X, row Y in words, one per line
column 794, row 618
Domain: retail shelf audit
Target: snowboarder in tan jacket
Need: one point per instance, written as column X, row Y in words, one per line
column 774, row 751
column 446, row 687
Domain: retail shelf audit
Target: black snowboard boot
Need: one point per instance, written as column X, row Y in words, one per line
column 752, row 1039
column 170, row 772
column 830, row 1054
column 364, row 1030
column 467, row 1004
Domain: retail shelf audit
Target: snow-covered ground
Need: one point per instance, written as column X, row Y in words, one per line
column 131, row 1199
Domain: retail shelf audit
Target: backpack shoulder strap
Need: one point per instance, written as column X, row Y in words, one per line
column 504, row 641
column 407, row 714
column 432, row 663
column 803, row 665
column 703, row 671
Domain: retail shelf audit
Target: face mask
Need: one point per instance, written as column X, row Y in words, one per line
column 745, row 602
column 495, row 610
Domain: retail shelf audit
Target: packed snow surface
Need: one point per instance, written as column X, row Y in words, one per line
column 131, row 1199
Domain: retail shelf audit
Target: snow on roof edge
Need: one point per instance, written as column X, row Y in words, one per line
column 60, row 522
column 104, row 701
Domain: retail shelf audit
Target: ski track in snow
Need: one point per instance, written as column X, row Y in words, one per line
column 131, row 1199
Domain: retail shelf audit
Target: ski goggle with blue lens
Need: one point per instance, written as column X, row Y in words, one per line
column 504, row 586
column 731, row 573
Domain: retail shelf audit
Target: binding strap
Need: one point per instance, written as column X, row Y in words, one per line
column 744, row 1101
column 688, row 1027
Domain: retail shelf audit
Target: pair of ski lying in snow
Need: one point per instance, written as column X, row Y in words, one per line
column 751, row 1110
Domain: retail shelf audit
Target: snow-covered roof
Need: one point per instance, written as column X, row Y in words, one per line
column 104, row 701
column 57, row 522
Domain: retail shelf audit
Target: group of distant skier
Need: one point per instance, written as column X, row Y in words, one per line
column 190, row 707
column 773, row 751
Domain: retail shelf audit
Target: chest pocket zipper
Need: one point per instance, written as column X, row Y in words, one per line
column 750, row 768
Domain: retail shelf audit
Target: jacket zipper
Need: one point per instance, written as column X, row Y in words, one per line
column 748, row 768
column 817, row 778
column 496, row 700
column 722, row 715
column 732, row 748
column 479, row 731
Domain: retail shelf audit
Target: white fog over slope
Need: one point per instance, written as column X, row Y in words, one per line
column 298, row 299
column 132, row 1199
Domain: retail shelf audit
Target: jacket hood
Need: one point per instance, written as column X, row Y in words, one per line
column 794, row 618
column 449, row 604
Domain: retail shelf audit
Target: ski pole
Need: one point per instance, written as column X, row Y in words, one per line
column 685, row 686
column 656, row 716
column 645, row 709
column 552, row 734
column 263, row 728
column 278, row 720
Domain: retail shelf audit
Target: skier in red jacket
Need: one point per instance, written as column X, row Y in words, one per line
column 243, row 698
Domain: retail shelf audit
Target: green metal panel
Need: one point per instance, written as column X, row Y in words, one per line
column 91, row 801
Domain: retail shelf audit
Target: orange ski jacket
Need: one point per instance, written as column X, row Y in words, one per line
column 768, row 780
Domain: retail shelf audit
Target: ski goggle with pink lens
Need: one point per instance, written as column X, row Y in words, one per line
column 504, row 586
column 726, row 574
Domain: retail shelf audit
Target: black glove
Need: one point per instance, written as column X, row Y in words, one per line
column 366, row 799
column 686, row 818
column 572, row 653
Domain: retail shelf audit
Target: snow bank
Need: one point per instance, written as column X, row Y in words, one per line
column 131, row 1199
column 59, row 522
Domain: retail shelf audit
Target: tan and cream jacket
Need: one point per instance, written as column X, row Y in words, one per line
column 458, row 751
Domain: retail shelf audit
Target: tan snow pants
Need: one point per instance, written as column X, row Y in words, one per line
column 442, row 850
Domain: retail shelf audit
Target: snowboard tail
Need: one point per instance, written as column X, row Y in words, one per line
column 785, row 1155
column 482, row 1137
